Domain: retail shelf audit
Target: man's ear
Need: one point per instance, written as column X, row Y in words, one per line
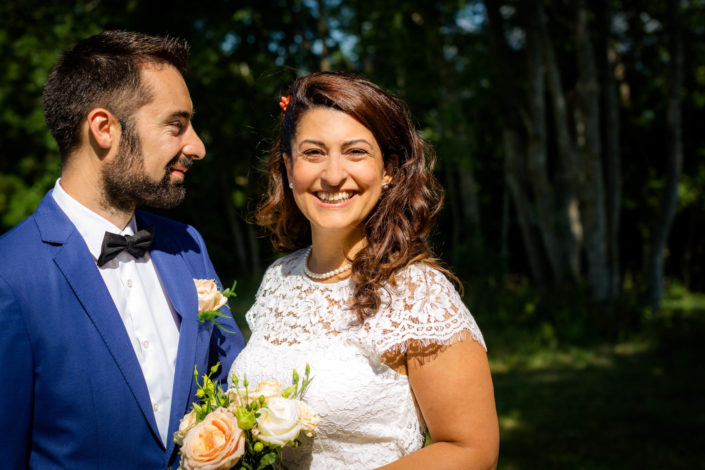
column 103, row 128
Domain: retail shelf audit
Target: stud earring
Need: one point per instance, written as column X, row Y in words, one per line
column 385, row 185
column 291, row 185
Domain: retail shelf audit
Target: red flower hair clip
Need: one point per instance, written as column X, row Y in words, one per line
column 284, row 102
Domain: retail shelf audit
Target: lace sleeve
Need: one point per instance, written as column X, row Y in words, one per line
column 255, row 315
column 424, row 307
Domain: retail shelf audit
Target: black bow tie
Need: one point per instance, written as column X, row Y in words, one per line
column 136, row 244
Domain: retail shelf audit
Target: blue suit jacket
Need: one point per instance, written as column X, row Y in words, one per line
column 73, row 395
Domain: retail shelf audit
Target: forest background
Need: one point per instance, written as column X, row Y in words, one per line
column 570, row 143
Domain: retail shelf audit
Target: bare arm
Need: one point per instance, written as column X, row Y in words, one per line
column 453, row 388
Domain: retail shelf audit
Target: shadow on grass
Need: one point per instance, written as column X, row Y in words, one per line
column 636, row 404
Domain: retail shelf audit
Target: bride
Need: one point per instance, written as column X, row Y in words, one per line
column 392, row 349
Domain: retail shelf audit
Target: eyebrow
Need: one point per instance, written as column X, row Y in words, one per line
column 357, row 141
column 182, row 114
column 345, row 144
column 310, row 141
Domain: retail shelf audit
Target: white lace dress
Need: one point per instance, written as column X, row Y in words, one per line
column 368, row 416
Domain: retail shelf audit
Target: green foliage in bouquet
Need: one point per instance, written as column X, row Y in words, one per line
column 262, row 447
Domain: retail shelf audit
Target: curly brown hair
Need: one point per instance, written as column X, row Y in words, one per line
column 397, row 228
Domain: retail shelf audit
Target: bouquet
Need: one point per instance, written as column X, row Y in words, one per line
column 243, row 428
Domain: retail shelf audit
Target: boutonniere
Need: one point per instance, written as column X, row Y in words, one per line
column 211, row 299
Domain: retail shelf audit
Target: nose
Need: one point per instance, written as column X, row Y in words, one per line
column 334, row 173
column 193, row 145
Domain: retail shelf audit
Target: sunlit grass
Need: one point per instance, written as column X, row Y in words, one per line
column 677, row 298
column 634, row 404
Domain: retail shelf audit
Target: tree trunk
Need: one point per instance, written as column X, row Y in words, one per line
column 590, row 145
column 514, row 144
column 536, row 149
column 674, row 163
column 454, row 207
column 568, row 179
column 513, row 174
column 611, row 155
column 469, row 204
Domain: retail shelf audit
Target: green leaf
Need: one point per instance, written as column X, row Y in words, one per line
column 267, row 460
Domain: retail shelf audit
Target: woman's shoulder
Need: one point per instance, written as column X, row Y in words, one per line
column 286, row 264
column 422, row 276
column 424, row 305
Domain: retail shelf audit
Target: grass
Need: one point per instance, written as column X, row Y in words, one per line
column 635, row 403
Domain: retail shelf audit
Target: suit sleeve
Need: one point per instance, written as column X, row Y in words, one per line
column 16, row 370
column 224, row 346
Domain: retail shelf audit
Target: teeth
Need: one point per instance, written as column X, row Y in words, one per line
column 334, row 197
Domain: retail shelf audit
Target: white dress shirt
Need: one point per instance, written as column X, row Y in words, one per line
column 139, row 295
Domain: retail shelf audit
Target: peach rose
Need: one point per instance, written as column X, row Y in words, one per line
column 216, row 443
column 308, row 417
column 269, row 389
column 186, row 423
column 209, row 297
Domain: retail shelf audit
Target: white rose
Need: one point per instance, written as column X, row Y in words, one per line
column 279, row 422
column 308, row 417
column 209, row 297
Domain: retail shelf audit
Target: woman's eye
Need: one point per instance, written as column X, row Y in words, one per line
column 312, row 153
column 357, row 153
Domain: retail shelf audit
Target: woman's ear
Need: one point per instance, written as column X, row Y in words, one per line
column 390, row 168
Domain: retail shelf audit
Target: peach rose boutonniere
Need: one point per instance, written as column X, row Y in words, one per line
column 211, row 299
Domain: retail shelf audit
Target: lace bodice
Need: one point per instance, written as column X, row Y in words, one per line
column 367, row 410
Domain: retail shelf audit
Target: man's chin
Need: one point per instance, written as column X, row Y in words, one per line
column 164, row 197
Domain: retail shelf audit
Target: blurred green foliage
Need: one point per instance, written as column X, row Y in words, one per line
column 436, row 57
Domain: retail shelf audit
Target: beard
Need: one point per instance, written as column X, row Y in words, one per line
column 126, row 185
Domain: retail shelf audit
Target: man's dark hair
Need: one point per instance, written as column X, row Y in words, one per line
column 104, row 71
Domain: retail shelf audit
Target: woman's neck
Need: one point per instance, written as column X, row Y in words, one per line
column 331, row 251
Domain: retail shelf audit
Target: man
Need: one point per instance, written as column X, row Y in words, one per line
column 98, row 344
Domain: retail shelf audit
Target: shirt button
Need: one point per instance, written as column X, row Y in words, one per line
column 129, row 283
column 145, row 344
column 155, row 407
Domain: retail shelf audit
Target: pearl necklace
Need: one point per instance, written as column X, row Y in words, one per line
column 321, row 276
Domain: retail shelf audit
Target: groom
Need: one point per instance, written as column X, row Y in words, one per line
column 99, row 334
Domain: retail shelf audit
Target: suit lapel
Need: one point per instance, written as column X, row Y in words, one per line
column 79, row 268
column 177, row 279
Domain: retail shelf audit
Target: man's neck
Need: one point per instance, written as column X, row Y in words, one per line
column 88, row 192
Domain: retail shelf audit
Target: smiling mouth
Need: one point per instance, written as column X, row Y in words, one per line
column 334, row 197
column 179, row 165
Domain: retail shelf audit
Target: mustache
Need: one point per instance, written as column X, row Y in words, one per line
column 183, row 161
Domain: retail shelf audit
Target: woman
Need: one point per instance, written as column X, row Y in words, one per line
column 391, row 346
